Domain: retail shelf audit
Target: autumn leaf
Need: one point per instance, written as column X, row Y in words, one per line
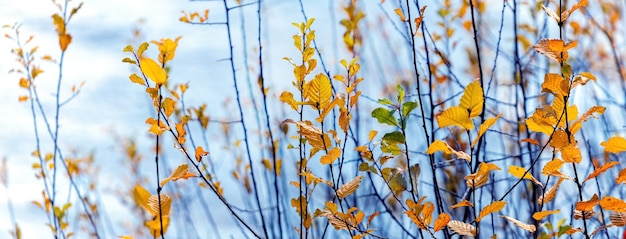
column 571, row 154
column 181, row 172
column 441, row 221
column 540, row 215
column 462, row 228
column 455, row 116
column 437, row 146
column 156, row 127
column 601, row 170
column 64, row 41
column 140, row 196
column 614, row 145
column 519, row 173
column 613, row 204
column 621, row 177
column 200, row 153
column 587, row 205
column 463, row 203
column 553, row 83
column 524, row 226
column 318, row 91
column 168, row 106
column 349, row 188
column 549, row 195
column 153, row 71
column 491, row 208
column 331, row 156
column 565, row 14
column 473, row 99
column 553, row 48
column 484, row 127
column 481, row 176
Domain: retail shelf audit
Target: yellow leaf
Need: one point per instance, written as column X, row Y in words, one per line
column 463, row 203
column 614, row 145
column 156, row 127
column 601, row 170
column 168, row 106
column 318, row 91
column 331, row 156
column 200, row 153
column 519, row 173
column 587, row 205
column 372, row 134
column 24, row 83
column 437, row 146
column 400, row 14
column 287, row 97
column 552, row 166
column 554, row 48
column 484, row 127
column 491, row 208
column 181, row 172
column 141, row 195
column 613, row 204
column 473, row 99
column 550, row 194
column 552, row 84
column 22, row 98
column 586, row 116
column 349, row 188
column 571, row 154
column 540, row 215
column 462, row 228
column 441, row 221
column 455, row 116
column 621, row 178
column 64, row 41
column 153, row 71
column 481, row 176
column 524, row 226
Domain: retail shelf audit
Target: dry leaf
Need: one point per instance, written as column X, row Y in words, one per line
column 462, row 228
column 491, row 208
column 527, row 227
column 349, row 188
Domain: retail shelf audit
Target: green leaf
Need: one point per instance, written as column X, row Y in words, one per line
column 394, row 138
column 395, row 178
column 385, row 116
column 365, row 167
column 407, row 107
column 385, row 101
column 400, row 94
column 392, row 149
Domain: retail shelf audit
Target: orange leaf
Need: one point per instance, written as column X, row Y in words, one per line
column 441, row 221
column 552, row 84
column 491, row 208
column 614, row 145
column 200, row 153
column 181, row 172
column 24, row 83
column 529, row 140
column 554, row 49
column 540, row 215
column 550, row 194
column 400, row 14
column 455, row 116
column 64, row 41
column 621, row 178
column 463, row 203
column 331, row 156
column 613, row 204
column 153, row 71
column 587, row 205
column 552, row 166
column 571, row 154
column 473, row 99
column 601, row 170
column 168, row 106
